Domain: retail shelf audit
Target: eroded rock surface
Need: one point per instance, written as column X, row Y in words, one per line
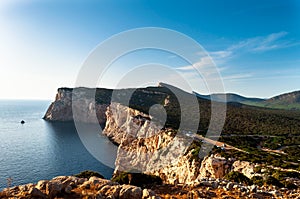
column 73, row 187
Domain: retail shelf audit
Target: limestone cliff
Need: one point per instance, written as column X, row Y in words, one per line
column 148, row 147
column 68, row 99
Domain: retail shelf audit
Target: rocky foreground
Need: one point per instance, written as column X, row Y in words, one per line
column 94, row 187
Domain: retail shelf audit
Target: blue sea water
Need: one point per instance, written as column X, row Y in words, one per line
column 42, row 150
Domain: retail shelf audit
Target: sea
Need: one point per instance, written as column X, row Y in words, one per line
column 41, row 150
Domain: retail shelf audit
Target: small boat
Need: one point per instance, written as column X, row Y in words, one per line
column 22, row 122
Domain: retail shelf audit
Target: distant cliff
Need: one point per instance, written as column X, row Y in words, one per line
column 61, row 108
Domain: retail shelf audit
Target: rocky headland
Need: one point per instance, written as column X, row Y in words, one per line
column 154, row 145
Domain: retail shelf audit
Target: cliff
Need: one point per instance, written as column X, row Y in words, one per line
column 91, row 111
column 147, row 147
column 144, row 123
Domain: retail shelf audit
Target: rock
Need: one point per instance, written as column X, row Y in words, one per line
column 229, row 186
column 61, row 187
column 253, row 188
column 194, row 194
column 236, row 186
column 214, row 167
column 99, row 196
column 214, row 184
column 131, row 192
column 34, row 192
column 95, row 180
column 77, row 98
column 60, row 178
column 68, row 189
column 80, row 181
column 148, row 194
column 110, row 191
column 256, row 196
column 53, row 188
column 86, row 185
column 41, row 185
column 206, row 183
column 244, row 167
column 275, row 193
column 26, row 187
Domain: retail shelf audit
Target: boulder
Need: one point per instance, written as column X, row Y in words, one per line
column 41, row 185
column 68, row 189
column 95, row 180
column 36, row 193
column 53, row 188
column 131, row 192
column 147, row 194
column 110, row 191
column 229, row 186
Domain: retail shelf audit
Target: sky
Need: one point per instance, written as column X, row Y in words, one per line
column 255, row 44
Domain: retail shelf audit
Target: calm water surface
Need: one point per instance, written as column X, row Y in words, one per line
column 42, row 150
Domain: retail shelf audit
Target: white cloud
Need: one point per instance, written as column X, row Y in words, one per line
column 204, row 63
column 272, row 41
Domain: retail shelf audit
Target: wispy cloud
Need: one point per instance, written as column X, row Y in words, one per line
column 205, row 69
column 204, row 62
column 257, row 44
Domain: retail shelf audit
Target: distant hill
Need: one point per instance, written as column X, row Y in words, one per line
column 229, row 97
column 287, row 98
column 289, row 101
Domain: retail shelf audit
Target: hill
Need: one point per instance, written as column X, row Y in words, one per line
column 287, row 101
column 229, row 97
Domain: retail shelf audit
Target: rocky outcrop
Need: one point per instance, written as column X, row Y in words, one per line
column 61, row 108
column 214, row 166
column 245, row 168
column 124, row 123
column 73, row 187
column 146, row 146
column 73, row 104
column 98, row 188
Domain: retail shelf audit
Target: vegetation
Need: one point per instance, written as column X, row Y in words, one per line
column 274, row 177
column 238, row 177
column 88, row 174
column 137, row 179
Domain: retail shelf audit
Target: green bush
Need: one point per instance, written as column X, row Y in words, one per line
column 137, row 179
column 289, row 185
column 258, row 180
column 88, row 174
column 270, row 180
column 238, row 177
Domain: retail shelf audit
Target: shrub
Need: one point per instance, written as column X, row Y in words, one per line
column 238, row 177
column 137, row 179
column 88, row 174
column 258, row 180
column 273, row 181
column 290, row 185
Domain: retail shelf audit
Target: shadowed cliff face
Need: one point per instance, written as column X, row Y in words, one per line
column 67, row 100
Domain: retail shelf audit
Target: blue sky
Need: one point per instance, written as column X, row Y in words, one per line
column 255, row 44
